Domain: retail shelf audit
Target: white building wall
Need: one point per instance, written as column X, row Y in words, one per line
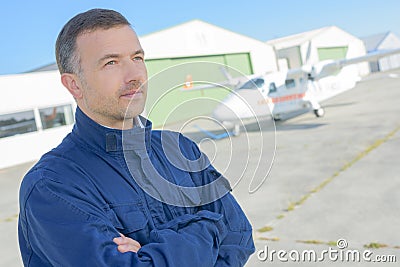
column 388, row 63
column 29, row 90
column 390, row 42
column 392, row 62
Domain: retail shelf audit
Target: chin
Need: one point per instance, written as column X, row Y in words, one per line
column 132, row 112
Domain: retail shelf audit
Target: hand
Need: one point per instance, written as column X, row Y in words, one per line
column 126, row 244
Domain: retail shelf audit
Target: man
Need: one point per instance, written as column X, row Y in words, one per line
column 92, row 201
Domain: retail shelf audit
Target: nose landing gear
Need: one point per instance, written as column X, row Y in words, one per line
column 320, row 112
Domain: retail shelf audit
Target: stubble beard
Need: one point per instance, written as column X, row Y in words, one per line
column 113, row 109
column 135, row 106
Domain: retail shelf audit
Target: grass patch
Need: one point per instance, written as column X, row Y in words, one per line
column 375, row 245
column 332, row 243
column 265, row 229
column 10, row 219
column 275, row 239
column 315, row 242
column 291, row 206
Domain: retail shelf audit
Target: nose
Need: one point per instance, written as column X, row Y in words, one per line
column 135, row 71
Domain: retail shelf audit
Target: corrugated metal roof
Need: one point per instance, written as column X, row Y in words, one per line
column 372, row 42
column 51, row 66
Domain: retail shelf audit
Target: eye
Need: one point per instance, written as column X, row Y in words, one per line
column 138, row 58
column 112, row 62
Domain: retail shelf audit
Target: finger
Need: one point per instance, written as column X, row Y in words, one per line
column 132, row 242
column 126, row 240
column 128, row 247
column 119, row 240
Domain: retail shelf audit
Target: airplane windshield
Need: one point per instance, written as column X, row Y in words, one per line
column 253, row 84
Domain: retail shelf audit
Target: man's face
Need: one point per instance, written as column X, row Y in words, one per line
column 114, row 76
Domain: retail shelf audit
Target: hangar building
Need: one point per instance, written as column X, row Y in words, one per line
column 318, row 45
column 383, row 41
column 197, row 41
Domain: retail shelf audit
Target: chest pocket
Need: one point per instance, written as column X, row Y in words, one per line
column 129, row 219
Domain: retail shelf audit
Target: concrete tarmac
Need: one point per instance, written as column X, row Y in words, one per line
column 332, row 178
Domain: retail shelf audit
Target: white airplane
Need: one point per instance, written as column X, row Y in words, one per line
column 283, row 94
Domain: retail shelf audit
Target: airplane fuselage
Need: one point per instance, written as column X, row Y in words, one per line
column 275, row 95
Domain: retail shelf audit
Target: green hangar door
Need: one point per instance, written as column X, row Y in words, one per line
column 334, row 53
column 168, row 103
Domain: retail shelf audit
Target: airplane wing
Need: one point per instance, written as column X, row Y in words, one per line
column 230, row 82
column 330, row 67
column 198, row 85
column 334, row 66
column 313, row 72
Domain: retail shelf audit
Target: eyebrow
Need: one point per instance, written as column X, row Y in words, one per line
column 109, row 56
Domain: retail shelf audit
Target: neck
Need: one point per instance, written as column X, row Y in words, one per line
column 123, row 124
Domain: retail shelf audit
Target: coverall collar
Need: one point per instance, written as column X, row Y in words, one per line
column 112, row 140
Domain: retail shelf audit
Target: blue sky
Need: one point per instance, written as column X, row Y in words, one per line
column 29, row 28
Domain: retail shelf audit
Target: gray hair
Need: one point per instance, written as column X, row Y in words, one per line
column 68, row 59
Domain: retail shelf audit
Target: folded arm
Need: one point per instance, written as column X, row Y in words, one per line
column 55, row 231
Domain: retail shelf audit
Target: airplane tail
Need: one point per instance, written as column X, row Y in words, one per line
column 226, row 74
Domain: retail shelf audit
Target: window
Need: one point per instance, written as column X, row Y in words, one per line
column 17, row 123
column 253, row 84
column 291, row 83
column 272, row 88
column 56, row 116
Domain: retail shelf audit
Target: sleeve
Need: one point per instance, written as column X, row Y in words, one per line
column 238, row 244
column 53, row 231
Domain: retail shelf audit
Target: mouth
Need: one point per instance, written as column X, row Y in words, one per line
column 132, row 94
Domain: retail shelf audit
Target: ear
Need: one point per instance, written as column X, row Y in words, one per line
column 72, row 83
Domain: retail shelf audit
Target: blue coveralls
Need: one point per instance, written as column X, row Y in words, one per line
column 82, row 194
